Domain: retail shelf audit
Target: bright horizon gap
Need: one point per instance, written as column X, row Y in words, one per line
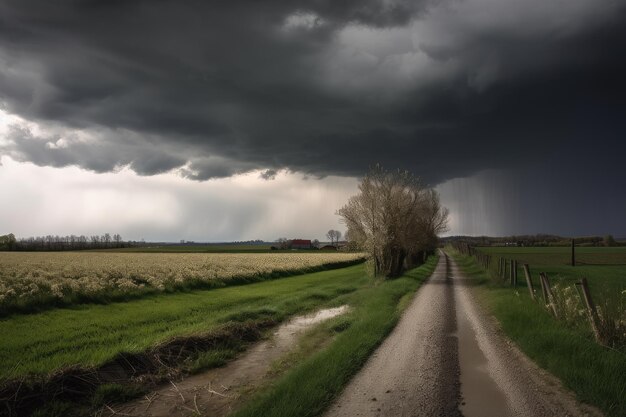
column 168, row 208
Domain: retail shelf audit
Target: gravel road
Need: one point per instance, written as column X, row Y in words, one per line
column 446, row 357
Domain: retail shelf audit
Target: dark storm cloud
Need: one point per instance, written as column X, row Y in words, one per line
column 269, row 174
column 322, row 87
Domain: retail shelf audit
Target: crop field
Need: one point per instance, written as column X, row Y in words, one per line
column 34, row 280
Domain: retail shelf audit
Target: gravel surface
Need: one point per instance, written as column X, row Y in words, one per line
column 415, row 372
column 446, row 357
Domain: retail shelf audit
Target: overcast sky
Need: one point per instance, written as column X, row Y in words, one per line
column 236, row 120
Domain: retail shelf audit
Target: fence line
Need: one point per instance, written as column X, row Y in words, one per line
column 506, row 271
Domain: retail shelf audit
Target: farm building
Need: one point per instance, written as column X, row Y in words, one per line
column 301, row 244
column 328, row 247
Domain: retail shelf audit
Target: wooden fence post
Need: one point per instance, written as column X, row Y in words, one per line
column 573, row 254
column 544, row 292
column 550, row 294
column 591, row 308
column 514, row 273
column 529, row 281
column 511, row 267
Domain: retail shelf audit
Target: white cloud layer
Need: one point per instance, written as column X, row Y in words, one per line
column 45, row 200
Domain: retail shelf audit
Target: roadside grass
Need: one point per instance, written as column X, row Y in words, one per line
column 596, row 374
column 90, row 335
column 313, row 381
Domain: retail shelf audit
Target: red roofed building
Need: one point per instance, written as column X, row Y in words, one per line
column 301, row 244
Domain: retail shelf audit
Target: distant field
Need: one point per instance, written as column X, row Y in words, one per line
column 561, row 255
column 225, row 248
column 605, row 268
column 32, row 280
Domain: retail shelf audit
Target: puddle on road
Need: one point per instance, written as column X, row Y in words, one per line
column 216, row 391
column 481, row 396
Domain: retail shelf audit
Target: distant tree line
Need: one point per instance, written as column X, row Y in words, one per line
column 538, row 240
column 282, row 243
column 62, row 243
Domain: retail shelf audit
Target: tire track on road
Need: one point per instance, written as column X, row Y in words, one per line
column 446, row 357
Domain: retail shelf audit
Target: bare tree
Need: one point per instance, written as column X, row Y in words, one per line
column 333, row 236
column 283, row 243
column 7, row 242
column 394, row 218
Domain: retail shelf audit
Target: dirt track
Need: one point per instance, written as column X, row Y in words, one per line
column 446, row 357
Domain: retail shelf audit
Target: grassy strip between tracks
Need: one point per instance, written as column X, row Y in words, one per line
column 596, row 374
column 311, row 385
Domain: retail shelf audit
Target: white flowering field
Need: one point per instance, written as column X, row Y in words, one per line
column 32, row 278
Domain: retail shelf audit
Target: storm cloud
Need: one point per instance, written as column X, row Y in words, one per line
column 212, row 89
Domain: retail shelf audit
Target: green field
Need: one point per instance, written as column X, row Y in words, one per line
column 595, row 373
column 605, row 268
column 91, row 335
column 561, row 255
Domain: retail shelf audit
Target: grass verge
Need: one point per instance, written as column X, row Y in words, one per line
column 596, row 375
column 311, row 385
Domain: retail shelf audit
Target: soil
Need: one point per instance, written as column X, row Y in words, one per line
column 217, row 391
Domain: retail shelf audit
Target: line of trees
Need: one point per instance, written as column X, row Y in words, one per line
column 395, row 218
column 61, row 243
column 283, row 243
column 535, row 240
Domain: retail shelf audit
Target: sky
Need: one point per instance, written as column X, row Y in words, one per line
column 214, row 121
